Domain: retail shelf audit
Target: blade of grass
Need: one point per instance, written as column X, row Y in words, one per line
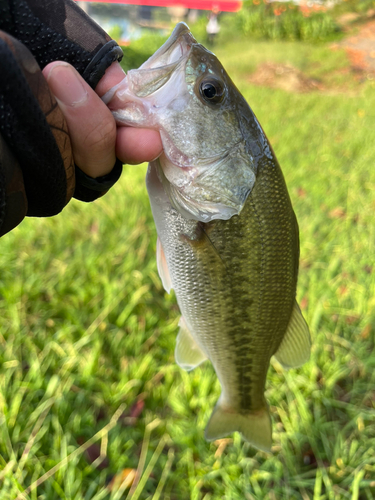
column 142, row 459
column 76, row 453
column 167, row 468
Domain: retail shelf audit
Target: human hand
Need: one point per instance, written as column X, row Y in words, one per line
column 94, row 137
column 38, row 150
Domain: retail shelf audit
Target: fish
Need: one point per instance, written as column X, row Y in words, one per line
column 228, row 238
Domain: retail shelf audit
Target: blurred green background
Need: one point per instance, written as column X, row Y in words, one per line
column 92, row 405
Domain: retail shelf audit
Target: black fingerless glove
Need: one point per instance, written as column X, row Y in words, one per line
column 58, row 30
column 37, row 174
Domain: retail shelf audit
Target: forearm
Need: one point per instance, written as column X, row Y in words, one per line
column 36, row 154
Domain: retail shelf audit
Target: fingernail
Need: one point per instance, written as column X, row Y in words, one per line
column 156, row 157
column 66, row 86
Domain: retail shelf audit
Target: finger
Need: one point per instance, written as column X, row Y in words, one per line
column 135, row 145
column 113, row 75
column 92, row 128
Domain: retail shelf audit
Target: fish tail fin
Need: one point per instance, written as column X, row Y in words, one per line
column 255, row 427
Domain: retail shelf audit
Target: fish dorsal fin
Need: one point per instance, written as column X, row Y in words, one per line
column 187, row 353
column 294, row 349
column 162, row 266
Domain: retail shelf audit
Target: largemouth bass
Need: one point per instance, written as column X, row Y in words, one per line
column 228, row 239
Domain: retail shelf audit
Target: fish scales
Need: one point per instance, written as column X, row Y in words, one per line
column 238, row 313
column 228, row 240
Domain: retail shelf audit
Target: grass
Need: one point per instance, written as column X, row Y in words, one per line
column 87, row 332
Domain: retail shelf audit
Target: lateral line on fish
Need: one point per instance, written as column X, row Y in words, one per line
column 246, row 399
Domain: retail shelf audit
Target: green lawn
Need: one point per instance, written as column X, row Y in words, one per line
column 87, row 332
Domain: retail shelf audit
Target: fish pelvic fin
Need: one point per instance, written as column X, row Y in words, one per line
column 188, row 354
column 294, row 349
column 162, row 266
column 255, row 427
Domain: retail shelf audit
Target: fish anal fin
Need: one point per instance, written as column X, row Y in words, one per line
column 255, row 427
column 162, row 266
column 188, row 354
column 294, row 349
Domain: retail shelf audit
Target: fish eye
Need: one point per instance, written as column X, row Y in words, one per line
column 211, row 90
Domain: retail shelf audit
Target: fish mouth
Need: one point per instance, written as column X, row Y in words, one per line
column 135, row 101
column 166, row 65
column 177, row 47
column 143, row 91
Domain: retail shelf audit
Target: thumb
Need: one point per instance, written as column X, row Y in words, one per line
column 92, row 128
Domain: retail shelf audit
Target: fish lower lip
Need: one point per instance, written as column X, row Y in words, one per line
column 129, row 113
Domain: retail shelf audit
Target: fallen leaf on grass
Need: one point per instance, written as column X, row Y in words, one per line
column 337, row 213
column 365, row 333
column 301, row 193
column 93, row 453
column 305, row 264
column 349, row 320
column 123, row 479
column 94, row 229
column 343, row 289
column 304, row 303
column 137, row 408
column 131, row 416
column 221, row 445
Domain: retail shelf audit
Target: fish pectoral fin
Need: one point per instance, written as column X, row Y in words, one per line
column 255, row 427
column 203, row 242
column 294, row 349
column 162, row 266
column 188, row 354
